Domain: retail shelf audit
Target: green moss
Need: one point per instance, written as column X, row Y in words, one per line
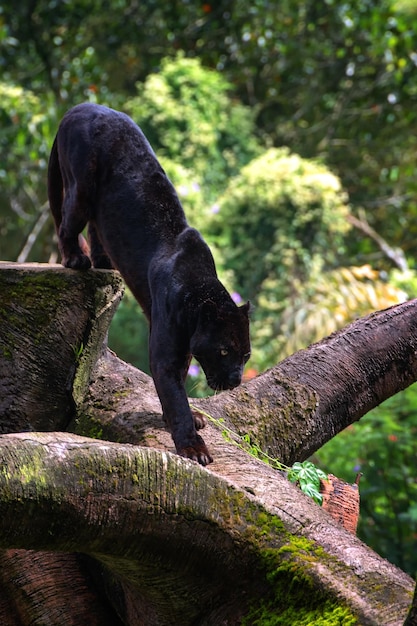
column 41, row 295
column 327, row 614
column 121, row 393
column 293, row 596
column 31, row 473
column 302, row 547
column 38, row 295
column 5, row 472
column 269, row 524
column 6, row 352
column 26, row 471
column 88, row 427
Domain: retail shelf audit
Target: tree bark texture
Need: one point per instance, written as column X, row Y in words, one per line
column 184, row 545
column 156, row 539
column 38, row 587
column 292, row 409
column 52, row 323
column 297, row 406
column 412, row 614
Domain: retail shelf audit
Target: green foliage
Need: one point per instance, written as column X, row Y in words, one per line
column 128, row 333
column 405, row 7
column 335, row 80
column 26, row 132
column 338, row 81
column 55, row 46
column 188, row 185
column 282, row 226
column 279, row 216
column 196, row 384
column 78, row 350
column 308, row 477
column 406, row 280
column 327, row 301
column 383, row 447
column 187, row 114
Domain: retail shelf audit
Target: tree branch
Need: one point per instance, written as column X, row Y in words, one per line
column 396, row 255
column 33, row 235
column 52, row 325
column 165, row 539
column 186, row 540
column 321, row 390
column 292, row 409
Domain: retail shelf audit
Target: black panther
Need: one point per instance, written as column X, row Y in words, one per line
column 104, row 173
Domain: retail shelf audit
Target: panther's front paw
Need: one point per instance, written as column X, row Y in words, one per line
column 199, row 419
column 196, row 452
column 77, row 262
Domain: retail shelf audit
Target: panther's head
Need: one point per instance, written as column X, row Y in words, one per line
column 221, row 343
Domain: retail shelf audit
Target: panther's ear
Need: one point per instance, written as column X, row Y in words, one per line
column 247, row 308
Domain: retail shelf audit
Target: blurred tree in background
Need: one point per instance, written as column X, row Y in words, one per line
column 190, row 118
column 279, row 217
column 27, row 128
column 290, row 136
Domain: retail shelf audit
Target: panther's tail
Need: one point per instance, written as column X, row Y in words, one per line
column 55, row 186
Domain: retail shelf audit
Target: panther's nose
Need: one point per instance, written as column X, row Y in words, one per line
column 230, row 381
column 234, row 379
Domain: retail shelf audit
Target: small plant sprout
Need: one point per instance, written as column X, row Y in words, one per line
column 78, row 350
column 306, row 475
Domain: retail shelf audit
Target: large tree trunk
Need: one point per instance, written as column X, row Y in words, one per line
column 148, row 537
column 185, row 545
column 52, row 326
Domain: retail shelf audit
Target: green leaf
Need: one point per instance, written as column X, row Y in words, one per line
column 311, row 491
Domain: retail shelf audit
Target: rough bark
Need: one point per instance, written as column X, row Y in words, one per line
column 184, row 545
column 164, row 540
column 38, row 587
column 51, row 324
column 412, row 614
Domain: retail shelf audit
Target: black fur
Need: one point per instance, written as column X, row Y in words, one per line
column 102, row 171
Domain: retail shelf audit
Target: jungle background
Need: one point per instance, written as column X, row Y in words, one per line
column 290, row 132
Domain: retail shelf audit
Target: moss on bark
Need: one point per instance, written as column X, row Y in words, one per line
column 52, row 325
column 138, row 511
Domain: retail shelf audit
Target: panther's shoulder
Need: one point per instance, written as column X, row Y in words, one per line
column 189, row 238
column 193, row 251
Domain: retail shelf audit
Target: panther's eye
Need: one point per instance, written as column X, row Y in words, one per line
column 224, row 352
column 246, row 357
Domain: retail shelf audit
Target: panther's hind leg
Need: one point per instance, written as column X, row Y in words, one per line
column 99, row 258
column 74, row 220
